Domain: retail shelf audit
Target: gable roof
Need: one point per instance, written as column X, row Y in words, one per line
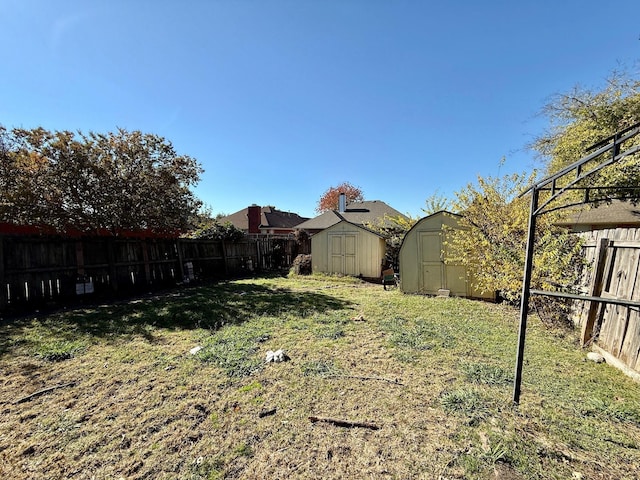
column 270, row 217
column 358, row 213
column 356, row 225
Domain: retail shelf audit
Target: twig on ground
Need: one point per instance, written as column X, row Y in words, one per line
column 448, row 464
column 44, row 390
column 395, row 381
column 344, row 423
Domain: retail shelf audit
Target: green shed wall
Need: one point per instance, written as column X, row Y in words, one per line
column 422, row 260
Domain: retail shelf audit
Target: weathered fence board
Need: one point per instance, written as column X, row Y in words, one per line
column 38, row 269
column 613, row 256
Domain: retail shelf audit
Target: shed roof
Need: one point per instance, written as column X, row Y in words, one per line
column 358, row 226
column 445, row 213
column 615, row 214
column 358, row 213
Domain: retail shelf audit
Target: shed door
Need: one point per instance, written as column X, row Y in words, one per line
column 432, row 271
column 342, row 254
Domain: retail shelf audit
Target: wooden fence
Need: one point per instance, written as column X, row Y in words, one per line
column 613, row 256
column 37, row 270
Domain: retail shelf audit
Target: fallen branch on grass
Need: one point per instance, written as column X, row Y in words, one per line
column 395, row 382
column 44, row 390
column 266, row 413
column 344, row 423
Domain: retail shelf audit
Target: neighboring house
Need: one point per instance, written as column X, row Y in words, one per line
column 358, row 213
column 257, row 220
column 348, row 249
column 423, row 265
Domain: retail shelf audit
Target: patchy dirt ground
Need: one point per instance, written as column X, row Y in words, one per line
column 148, row 410
column 138, row 405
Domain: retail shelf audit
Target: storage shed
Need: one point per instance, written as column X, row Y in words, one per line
column 348, row 249
column 422, row 260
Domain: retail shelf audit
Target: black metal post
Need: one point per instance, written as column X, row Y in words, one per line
column 526, row 292
column 3, row 285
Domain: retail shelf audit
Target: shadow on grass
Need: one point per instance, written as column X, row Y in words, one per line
column 208, row 307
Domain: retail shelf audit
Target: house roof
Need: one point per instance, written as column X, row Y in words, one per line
column 358, row 213
column 617, row 213
column 278, row 219
column 270, row 217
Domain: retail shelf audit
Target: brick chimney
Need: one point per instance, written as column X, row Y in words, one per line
column 254, row 213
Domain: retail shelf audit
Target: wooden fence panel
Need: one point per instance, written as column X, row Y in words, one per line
column 3, row 290
column 202, row 259
column 621, row 272
column 38, row 269
column 627, row 274
column 616, row 328
column 162, row 258
column 279, row 252
column 241, row 258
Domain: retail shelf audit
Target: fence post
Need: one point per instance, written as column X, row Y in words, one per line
column 145, row 259
column 79, row 257
column 224, row 258
column 258, row 265
column 195, row 261
column 111, row 258
column 595, row 291
column 257, row 256
column 180, row 253
column 3, row 286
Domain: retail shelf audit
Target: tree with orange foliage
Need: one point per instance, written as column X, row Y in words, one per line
column 331, row 197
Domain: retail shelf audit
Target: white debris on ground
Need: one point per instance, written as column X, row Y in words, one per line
column 195, row 350
column 277, row 356
column 595, row 357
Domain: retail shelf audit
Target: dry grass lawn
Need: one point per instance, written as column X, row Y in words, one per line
column 432, row 375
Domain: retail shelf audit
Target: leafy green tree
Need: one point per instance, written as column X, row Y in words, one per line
column 436, row 203
column 581, row 118
column 121, row 180
column 492, row 241
column 218, row 231
column 201, row 218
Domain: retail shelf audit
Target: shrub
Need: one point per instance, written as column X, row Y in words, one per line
column 302, row 265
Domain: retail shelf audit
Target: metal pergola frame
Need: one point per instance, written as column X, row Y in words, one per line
column 606, row 152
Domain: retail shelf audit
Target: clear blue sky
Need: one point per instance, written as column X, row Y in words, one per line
column 279, row 100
